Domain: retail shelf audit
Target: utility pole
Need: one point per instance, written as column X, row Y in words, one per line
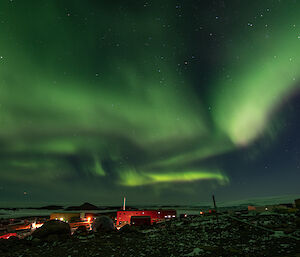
column 215, row 207
column 216, row 212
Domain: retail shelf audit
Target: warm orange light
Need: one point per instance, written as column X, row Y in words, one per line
column 34, row 225
column 89, row 219
column 201, row 212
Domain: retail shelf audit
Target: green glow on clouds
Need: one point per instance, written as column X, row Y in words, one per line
column 255, row 84
column 134, row 178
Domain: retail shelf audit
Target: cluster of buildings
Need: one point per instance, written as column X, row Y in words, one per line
column 121, row 218
column 143, row 217
column 284, row 207
column 23, row 227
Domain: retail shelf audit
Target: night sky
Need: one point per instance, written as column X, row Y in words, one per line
column 159, row 101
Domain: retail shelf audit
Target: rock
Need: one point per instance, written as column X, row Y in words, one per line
column 289, row 231
column 52, row 238
column 81, row 230
column 128, row 229
column 103, row 224
column 36, row 241
column 13, row 238
column 52, row 227
column 91, row 236
column 197, row 251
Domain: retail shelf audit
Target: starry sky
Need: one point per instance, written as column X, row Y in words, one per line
column 159, row 101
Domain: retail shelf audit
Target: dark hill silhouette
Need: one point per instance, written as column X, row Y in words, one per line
column 85, row 206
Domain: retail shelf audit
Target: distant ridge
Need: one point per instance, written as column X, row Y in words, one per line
column 50, row 207
column 261, row 201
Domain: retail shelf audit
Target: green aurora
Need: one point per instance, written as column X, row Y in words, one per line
column 101, row 96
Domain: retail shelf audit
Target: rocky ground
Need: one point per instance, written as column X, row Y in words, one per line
column 197, row 236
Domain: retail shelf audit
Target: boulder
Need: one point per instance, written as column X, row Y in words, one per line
column 128, row 229
column 13, row 238
column 81, row 229
column 103, row 224
column 52, row 238
column 52, row 227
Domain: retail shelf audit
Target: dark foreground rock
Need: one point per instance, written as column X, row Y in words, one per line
column 52, row 228
column 103, row 224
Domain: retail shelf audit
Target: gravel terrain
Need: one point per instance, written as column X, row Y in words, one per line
column 194, row 236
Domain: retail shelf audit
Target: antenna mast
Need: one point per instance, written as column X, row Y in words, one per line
column 124, row 203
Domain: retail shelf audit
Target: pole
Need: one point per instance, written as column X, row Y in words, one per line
column 216, row 212
column 214, row 201
column 215, row 207
column 124, row 203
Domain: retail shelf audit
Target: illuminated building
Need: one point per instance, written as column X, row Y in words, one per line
column 125, row 217
column 66, row 216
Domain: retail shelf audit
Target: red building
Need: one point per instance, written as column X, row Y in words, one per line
column 124, row 217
